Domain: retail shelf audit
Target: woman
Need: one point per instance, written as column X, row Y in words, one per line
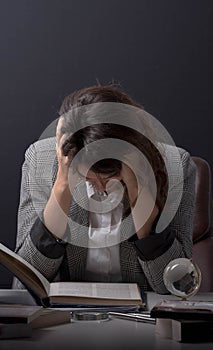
column 96, row 201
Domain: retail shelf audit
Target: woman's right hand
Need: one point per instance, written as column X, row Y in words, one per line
column 64, row 162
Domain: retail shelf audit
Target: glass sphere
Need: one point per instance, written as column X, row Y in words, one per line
column 182, row 277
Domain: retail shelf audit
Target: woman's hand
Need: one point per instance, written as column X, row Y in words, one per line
column 64, row 162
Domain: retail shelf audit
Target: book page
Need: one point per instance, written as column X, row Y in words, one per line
column 117, row 291
column 22, row 269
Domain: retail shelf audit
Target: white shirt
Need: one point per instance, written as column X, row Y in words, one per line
column 103, row 259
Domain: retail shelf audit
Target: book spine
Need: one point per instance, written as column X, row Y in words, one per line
column 45, row 302
column 184, row 315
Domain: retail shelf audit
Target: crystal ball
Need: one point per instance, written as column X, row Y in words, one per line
column 182, row 277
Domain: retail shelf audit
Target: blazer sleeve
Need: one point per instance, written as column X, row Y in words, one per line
column 32, row 202
column 176, row 240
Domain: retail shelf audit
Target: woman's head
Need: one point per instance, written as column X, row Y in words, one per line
column 85, row 119
column 90, row 123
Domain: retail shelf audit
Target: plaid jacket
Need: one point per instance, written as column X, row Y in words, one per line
column 38, row 175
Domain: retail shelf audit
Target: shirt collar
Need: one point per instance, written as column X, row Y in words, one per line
column 91, row 190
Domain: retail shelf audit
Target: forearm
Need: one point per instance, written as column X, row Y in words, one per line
column 154, row 268
column 57, row 209
column 142, row 203
column 34, row 243
column 143, row 209
column 46, row 264
column 158, row 249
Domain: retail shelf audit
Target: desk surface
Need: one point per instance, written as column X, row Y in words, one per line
column 116, row 334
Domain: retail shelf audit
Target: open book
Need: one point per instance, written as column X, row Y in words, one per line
column 84, row 293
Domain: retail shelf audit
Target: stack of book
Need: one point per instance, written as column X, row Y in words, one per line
column 18, row 321
column 184, row 320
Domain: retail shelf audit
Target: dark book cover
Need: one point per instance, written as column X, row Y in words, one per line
column 185, row 310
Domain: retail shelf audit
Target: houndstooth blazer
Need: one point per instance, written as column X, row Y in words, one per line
column 38, row 175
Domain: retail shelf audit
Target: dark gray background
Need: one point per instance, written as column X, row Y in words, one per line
column 160, row 51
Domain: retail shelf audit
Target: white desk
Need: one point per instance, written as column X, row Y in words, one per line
column 116, row 334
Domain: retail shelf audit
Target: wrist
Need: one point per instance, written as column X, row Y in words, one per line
column 62, row 178
column 61, row 187
column 133, row 195
column 149, row 227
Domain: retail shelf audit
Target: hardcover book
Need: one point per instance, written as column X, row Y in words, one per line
column 51, row 317
column 85, row 293
column 19, row 313
column 184, row 310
